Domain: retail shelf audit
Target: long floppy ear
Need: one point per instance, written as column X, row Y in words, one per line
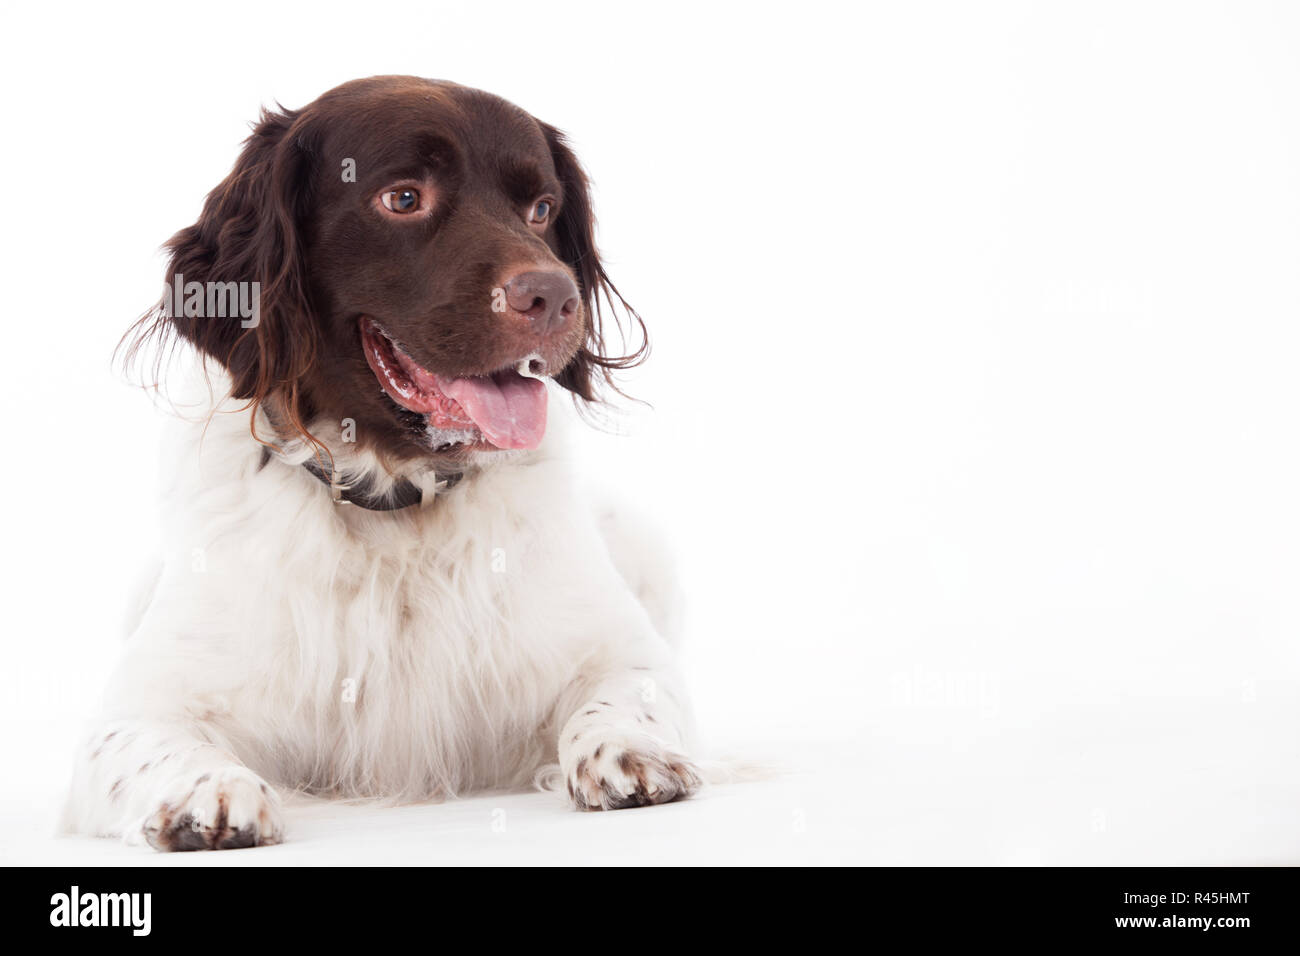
column 576, row 242
column 248, row 234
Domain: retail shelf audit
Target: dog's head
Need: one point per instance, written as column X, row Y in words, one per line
column 423, row 255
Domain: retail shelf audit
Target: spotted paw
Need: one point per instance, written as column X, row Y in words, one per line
column 619, row 772
column 221, row 810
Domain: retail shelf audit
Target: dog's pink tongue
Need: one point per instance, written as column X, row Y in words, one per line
column 508, row 409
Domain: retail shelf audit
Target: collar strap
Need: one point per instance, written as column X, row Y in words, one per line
column 403, row 494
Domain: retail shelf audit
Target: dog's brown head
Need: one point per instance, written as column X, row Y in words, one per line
column 423, row 252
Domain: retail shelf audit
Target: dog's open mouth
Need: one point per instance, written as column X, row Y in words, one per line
column 506, row 409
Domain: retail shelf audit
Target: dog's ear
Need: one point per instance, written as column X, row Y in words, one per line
column 249, row 233
column 575, row 232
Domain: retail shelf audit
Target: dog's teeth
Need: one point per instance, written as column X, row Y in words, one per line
column 531, row 366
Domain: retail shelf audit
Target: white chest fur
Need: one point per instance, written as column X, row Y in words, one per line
column 409, row 653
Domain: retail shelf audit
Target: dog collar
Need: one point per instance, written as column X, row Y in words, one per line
column 403, row 494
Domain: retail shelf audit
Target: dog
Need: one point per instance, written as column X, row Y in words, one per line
column 382, row 577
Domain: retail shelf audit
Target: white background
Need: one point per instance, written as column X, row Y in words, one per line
column 975, row 402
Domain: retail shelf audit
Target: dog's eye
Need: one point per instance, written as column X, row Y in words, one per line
column 401, row 200
column 541, row 211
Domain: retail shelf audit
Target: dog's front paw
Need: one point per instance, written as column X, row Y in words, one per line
column 221, row 810
column 615, row 772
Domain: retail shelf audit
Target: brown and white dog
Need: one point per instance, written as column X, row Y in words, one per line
column 391, row 585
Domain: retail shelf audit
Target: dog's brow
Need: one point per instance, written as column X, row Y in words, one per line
column 524, row 181
column 415, row 154
column 404, row 171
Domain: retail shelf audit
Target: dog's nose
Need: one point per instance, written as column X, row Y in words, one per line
column 549, row 299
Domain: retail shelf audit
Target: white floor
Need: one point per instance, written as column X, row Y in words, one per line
column 1195, row 784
